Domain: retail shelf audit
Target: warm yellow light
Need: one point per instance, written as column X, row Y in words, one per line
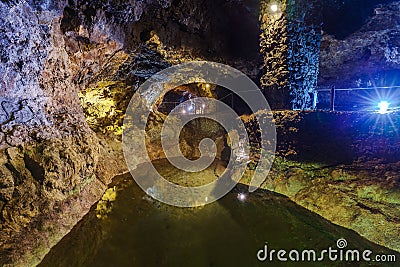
column 274, row 7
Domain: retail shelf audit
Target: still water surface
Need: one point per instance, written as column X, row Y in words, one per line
column 130, row 229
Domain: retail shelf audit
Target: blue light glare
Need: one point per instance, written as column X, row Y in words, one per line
column 383, row 107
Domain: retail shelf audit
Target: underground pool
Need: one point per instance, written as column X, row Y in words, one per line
column 128, row 228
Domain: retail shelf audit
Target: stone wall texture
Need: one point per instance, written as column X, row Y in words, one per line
column 290, row 40
column 68, row 70
column 367, row 57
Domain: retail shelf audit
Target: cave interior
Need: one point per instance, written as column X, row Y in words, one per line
column 92, row 104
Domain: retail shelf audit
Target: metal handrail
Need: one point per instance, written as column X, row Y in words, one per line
column 357, row 88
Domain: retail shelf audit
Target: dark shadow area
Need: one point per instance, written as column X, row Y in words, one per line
column 361, row 100
column 343, row 18
column 233, row 100
column 70, row 20
column 230, row 28
column 34, row 167
column 333, row 138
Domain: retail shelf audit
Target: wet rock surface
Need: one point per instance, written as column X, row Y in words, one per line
column 46, row 188
column 53, row 167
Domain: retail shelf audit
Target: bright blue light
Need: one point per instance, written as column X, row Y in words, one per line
column 383, row 107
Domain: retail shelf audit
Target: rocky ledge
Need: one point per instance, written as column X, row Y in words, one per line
column 343, row 166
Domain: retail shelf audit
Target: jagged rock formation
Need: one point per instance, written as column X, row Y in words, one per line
column 60, row 56
column 366, row 57
column 361, row 50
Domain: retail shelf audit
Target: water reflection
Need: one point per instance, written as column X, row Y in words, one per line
column 138, row 231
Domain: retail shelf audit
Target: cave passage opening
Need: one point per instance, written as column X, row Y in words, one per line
column 190, row 100
column 182, row 98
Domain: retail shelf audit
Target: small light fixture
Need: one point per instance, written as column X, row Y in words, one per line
column 204, row 105
column 383, row 107
column 274, row 8
column 208, row 85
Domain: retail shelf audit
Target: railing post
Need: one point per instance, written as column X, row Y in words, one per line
column 332, row 108
column 315, row 100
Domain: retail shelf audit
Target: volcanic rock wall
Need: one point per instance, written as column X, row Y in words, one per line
column 369, row 55
column 290, row 41
column 52, row 165
column 68, row 70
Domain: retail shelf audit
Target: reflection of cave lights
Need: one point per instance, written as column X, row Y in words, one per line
column 242, row 197
column 383, row 107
